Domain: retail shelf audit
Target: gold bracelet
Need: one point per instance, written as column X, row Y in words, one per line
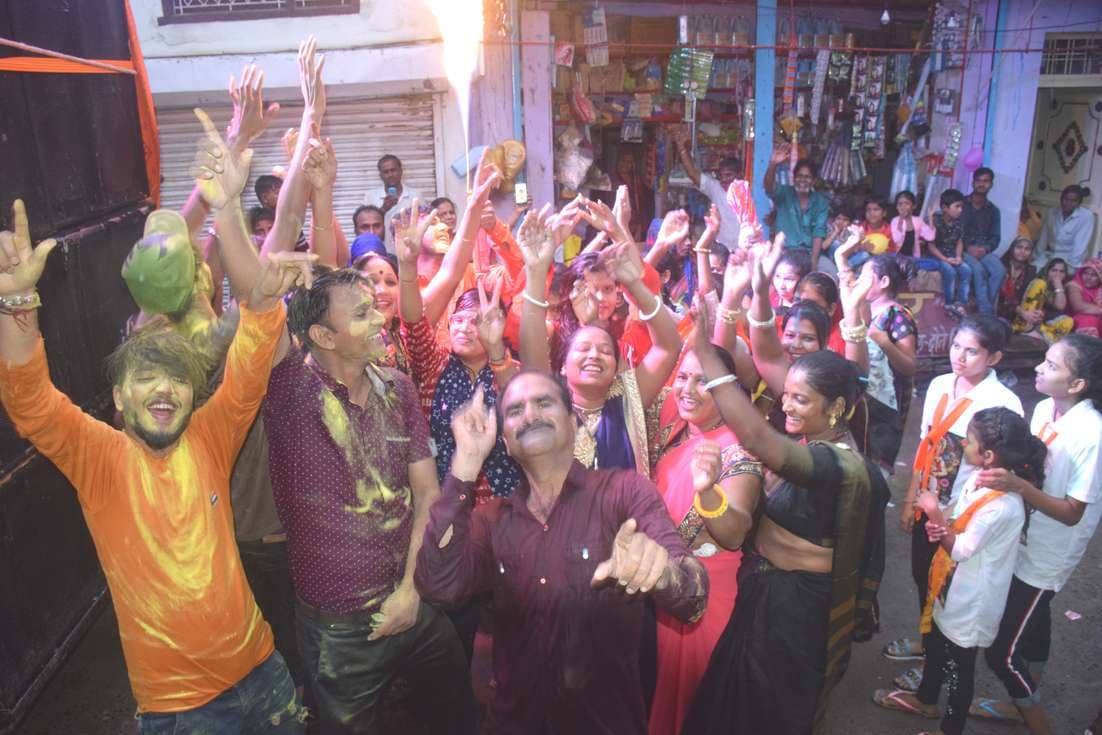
column 24, row 302
column 770, row 322
column 729, row 316
column 723, row 504
column 702, row 250
column 322, row 227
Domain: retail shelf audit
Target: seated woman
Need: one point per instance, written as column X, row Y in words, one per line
column 610, row 402
column 711, row 487
column 1020, row 272
column 808, row 578
column 1043, row 310
column 1085, row 298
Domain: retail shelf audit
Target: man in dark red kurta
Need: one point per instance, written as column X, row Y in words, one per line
column 568, row 556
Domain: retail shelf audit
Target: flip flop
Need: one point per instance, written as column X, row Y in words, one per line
column 909, row 680
column 985, row 709
column 901, row 649
column 893, row 700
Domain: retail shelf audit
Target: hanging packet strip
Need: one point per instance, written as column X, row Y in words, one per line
column 595, row 36
column 688, row 72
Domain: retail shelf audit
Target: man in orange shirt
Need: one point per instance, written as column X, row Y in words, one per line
column 156, row 496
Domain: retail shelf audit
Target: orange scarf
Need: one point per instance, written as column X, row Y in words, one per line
column 927, row 448
column 943, row 565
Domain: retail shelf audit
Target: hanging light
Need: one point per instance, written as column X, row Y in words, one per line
column 885, row 17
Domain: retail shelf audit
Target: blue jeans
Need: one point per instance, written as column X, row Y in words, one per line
column 956, row 280
column 988, row 273
column 263, row 702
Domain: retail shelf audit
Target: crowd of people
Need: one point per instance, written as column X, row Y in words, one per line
column 655, row 476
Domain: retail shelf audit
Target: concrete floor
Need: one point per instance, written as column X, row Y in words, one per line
column 91, row 695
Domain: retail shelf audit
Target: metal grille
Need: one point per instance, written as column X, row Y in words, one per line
column 1072, row 54
column 230, row 9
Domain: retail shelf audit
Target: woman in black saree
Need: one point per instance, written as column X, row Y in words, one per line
column 808, row 582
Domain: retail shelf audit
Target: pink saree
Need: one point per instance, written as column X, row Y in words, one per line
column 684, row 650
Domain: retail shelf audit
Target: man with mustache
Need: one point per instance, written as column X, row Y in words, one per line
column 568, row 556
column 156, row 495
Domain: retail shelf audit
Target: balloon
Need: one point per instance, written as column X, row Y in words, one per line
column 973, row 158
column 878, row 243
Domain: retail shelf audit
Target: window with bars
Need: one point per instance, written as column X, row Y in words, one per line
column 1072, row 54
column 193, row 11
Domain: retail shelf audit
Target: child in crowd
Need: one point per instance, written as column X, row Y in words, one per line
column 971, row 571
column 940, row 465
column 793, row 265
column 876, row 222
column 946, row 253
column 835, row 236
column 1043, row 311
column 1020, row 272
column 908, row 229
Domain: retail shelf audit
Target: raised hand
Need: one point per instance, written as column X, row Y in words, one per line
column 279, row 273
column 220, row 173
column 537, row 246
column 674, row 229
column 638, row 563
column 621, row 208
column 564, row 222
column 21, row 264
column 623, row 260
column 250, row 118
column 759, row 278
column 846, row 248
column 706, row 464
column 409, row 233
column 600, row 216
column 475, row 429
column 491, row 326
column 773, row 254
column 736, row 277
column 854, row 292
column 320, row 164
column 780, row 153
column 583, row 302
column 309, row 70
column 711, row 223
column 289, row 141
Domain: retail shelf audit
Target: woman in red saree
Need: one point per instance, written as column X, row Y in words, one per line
column 711, row 487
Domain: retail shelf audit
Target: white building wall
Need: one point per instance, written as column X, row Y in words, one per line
column 389, row 48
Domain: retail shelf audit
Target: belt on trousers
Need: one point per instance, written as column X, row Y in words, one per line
column 360, row 617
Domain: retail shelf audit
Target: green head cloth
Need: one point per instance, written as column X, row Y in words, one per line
column 160, row 269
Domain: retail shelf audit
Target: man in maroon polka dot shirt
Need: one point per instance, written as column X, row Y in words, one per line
column 353, row 478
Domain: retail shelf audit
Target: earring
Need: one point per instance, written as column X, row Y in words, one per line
column 833, row 420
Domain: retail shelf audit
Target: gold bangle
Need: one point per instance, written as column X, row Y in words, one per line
column 702, row 250
column 322, row 228
column 723, row 504
column 770, row 322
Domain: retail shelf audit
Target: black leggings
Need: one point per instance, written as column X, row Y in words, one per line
column 1025, row 635
column 922, row 554
column 955, row 667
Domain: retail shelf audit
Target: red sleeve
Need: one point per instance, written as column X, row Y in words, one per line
column 427, row 358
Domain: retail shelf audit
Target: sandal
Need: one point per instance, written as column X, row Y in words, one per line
column 894, row 700
column 987, row 709
column 909, row 680
column 902, row 649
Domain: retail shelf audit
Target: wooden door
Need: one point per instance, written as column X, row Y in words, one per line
column 1067, row 148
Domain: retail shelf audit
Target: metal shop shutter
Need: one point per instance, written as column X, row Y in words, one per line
column 362, row 130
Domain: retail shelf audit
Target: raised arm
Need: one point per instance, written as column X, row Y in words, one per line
column 21, row 266
column 537, row 246
column 439, row 291
column 250, row 119
column 765, row 345
column 320, row 169
column 291, row 209
column 776, row 451
column 409, row 231
column 654, row 370
column 703, row 248
column 780, row 155
column 856, row 317
column 674, row 229
column 736, row 280
column 685, row 153
column 454, row 562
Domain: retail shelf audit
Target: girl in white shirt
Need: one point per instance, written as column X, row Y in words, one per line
column 1067, row 514
column 970, row 574
column 951, row 402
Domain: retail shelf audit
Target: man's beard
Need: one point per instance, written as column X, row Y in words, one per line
column 157, row 440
